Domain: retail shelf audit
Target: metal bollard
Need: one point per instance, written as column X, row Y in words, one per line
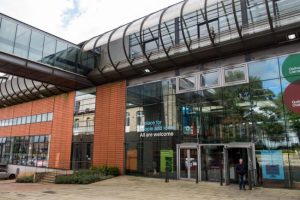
column 167, row 175
column 250, row 180
column 221, row 176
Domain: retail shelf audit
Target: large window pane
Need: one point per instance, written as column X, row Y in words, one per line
column 267, row 113
column 263, row 70
column 49, row 50
column 22, row 42
column 7, row 35
column 36, row 46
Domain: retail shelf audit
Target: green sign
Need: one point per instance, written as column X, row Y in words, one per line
column 166, row 160
column 291, row 68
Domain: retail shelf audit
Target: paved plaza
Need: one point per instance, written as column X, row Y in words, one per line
column 129, row 187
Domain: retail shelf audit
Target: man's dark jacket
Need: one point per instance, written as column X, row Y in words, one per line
column 241, row 169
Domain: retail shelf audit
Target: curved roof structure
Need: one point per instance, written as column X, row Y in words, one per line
column 168, row 37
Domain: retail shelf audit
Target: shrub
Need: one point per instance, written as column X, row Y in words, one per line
column 25, row 179
column 106, row 170
column 92, row 175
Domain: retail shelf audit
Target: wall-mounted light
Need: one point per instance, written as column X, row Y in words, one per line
column 147, row 70
column 291, row 36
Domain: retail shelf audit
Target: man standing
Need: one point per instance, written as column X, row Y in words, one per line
column 241, row 170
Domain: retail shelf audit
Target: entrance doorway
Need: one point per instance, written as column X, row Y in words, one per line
column 81, row 155
column 232, row 153
column 213, row 162
column 187, row 161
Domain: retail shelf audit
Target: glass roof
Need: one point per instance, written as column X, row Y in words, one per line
column 150, row 21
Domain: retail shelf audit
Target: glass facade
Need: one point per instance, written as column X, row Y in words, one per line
column 248, row 105
column 27, row 42
column 83, row 129
column 25, row 150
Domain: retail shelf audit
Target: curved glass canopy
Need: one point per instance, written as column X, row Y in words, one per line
column 15, row 90
column 188, row 27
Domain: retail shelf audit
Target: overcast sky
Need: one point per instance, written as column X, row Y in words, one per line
column 79, row 20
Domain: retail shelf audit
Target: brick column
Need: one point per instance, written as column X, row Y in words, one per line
column 110, row 125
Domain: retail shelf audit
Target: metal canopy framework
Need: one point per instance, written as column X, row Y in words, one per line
column 190, row 30
column 15, row 90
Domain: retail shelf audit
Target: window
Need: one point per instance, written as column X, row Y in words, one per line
column 127, row 119
column 14, row 121
column 140, row 118
column 210, row 79
column 263, row 70
column 38, row 118
column 186, row 83
column 19, row 120
column 33, row 119
column 7, row 35
column 44, row 117
column 28, row 119
column 76, row 124
column 22, row 42
column 36, row 46
column 23, row 121
column 232, row 75
column 88, row 124
column 50, row 117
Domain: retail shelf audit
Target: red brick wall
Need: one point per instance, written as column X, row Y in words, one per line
column 60, row 128
column 61, row 138
column 110, row 125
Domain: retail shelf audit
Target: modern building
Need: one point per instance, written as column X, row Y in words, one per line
column 189, row 89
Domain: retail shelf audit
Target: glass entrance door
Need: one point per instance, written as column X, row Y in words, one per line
column 81, row 156
column 188, row 163
column 232, row 153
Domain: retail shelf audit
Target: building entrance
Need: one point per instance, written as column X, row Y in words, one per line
column 213, row 162
column 187, row 161
column 232, row 153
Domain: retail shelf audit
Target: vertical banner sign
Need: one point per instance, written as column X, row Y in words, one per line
column 272, row 164
column 166, row 160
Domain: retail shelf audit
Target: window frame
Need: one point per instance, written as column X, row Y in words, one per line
column 245, row 69
column 219, row 84
column 195, row 88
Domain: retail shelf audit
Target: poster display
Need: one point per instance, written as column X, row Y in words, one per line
column 272, row 164
column 291, row 72
column 166, row 160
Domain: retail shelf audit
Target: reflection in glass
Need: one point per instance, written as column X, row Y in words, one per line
column 7, row 35
column 235, row 74
column 210, row 79
column 263, row 70
column 267, row 113
column 187, row 83
column 36, row 46
column 22, row 42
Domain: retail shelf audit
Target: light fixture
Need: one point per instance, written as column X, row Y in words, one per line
column 147, row 70
column 291, row 36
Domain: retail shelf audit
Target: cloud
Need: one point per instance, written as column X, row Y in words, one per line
column 79, row 20
column 71, row 13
